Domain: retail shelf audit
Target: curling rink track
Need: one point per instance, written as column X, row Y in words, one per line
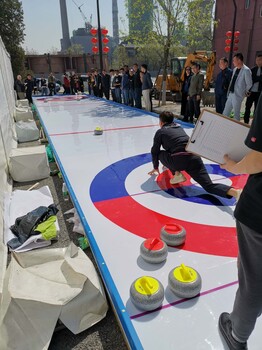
column 120, row 206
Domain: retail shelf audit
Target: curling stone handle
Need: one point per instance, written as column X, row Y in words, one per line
column 185, row 272
column 154, row 242
column 145, row 283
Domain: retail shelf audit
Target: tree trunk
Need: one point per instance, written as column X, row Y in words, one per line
column 164, row 81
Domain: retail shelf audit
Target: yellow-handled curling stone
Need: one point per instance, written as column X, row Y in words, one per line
column 173, row 234
column 153, row 250
column 98, row 131
column 147, row 293
column 184, row 281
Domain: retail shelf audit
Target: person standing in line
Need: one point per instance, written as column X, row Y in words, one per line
column 105, row 81
column 19, row 87
column 125, row 85
column 51, row 84
column 222, row 84
column 146, row 87
column 117, row 85
column 29, row 87
column 185, row 87
column 66, row 84
column 43, row 86
column 137, row 87
column 112, row 88
column 131, row 88
column 194, row 91
column 255, row 91
column 240, row 84
column 237, row 326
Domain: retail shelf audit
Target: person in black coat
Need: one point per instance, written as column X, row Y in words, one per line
column 222, row 83
column 137, row 87
column 29, row 87
column 19, row 87
column 105, row 80
column 185, row 87
column 255, row 91
column 169, row 149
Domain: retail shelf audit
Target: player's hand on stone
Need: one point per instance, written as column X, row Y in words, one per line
column 154, row 172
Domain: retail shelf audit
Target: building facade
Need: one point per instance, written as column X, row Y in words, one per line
column 58, row 64
column 248, row 23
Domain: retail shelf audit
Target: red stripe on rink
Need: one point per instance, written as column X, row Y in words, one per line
column 113, row 129
column 139, row 220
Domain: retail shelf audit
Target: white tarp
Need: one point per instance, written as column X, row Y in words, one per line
column 43, row 286
column 7, row 141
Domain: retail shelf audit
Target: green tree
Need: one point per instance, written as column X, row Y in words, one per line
column 172, row 25
column 75, row 49
column 12, row 32
column 120, row 57
column 200, row 24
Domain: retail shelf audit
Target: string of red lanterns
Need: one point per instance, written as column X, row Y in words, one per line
column 94, row 40
column 229, row 39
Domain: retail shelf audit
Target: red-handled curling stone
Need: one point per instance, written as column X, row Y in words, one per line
column 153, row 250
column 173, row 234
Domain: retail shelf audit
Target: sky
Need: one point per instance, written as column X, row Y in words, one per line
column 43, row 22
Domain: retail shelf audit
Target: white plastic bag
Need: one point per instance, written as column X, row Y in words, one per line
column 78, row 227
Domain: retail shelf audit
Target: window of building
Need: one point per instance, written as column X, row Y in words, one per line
column 247, row 4
column 260, row 12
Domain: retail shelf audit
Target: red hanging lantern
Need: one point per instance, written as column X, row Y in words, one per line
column 105, row 40
column 95, row 49
column 236, row 41
column 105, row 49
column 93, row 31
column 229, row 33
column 104, row 31
column 227, row 48
column 94, row 40
column 237, row 33
column 228, row 41
column 235, row 48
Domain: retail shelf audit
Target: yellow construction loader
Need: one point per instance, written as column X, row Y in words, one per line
column 175, row 79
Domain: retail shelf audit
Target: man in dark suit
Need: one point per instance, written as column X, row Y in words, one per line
column 105, row 79
column 222, row 84
column 255, row 91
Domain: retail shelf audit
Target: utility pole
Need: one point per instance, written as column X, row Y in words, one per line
column 99, row 36
column 233, row 34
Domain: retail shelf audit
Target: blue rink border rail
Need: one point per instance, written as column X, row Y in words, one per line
column 123, row 316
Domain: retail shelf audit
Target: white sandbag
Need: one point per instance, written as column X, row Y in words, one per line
column 26, row 131
column 23, row 114
column 22, row 103
column 28, row 164
column 43, row 286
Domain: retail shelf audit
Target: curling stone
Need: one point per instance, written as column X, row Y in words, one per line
column 173, row 234
column 98, row 131
column 184, row 281
column 153, row 250
column 147, row 293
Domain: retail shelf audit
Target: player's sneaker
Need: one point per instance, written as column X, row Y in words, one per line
column 177, row 179
column 238, row 194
